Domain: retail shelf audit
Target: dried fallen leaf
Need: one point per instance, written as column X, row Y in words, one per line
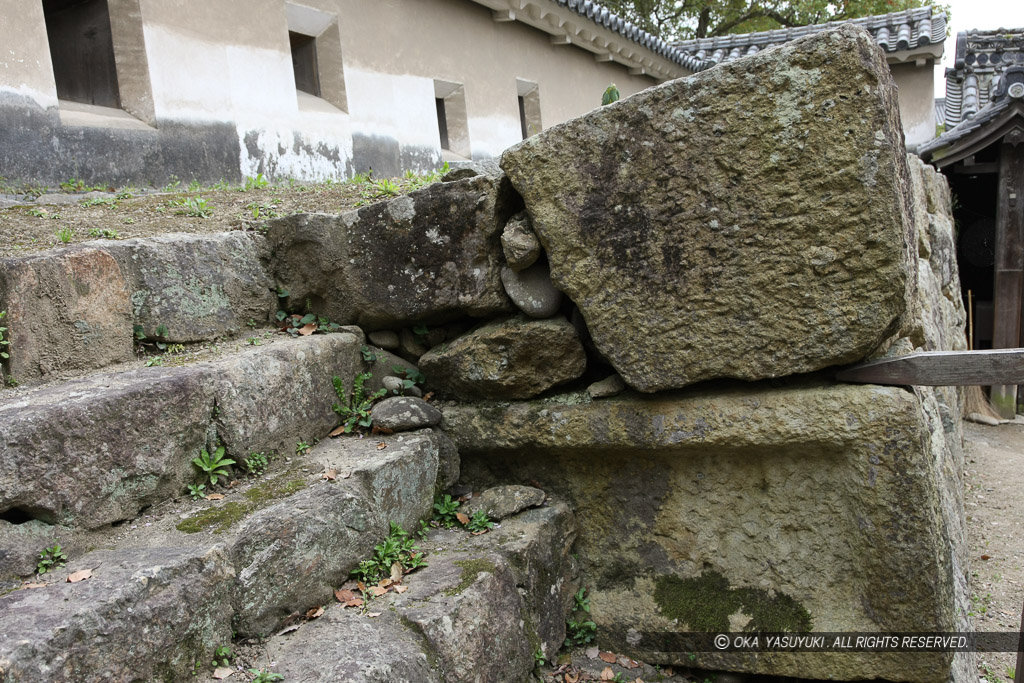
column 607, row 674
column 401, row 589
column 462, row 517
column 592, row 652
column 477, row 533
column 377, row 591
column 34, row 585
column 627, row 663
column 986, row 557
column 80, row 575
column 344, row 595
column 382, row 445
column 397, row 572
column 607, row 657
column 307, row 330
column 361, row 586
column 668, row 671
column 572, row 677
column 373, row 614
column 381, row 430
column 384, row 583
column 215, row 496
column 222, row 672
column 354, row 602
column 337, row 431
column 429, row 395
column 288, row 629
column 329, row 475
column 314, row 613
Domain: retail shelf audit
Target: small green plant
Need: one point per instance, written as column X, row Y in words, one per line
column 581, row 603
column 65, row 234
column 73, row 185
column 38, row 213
column 173, row 183
column 254, row 183
column 154, row 362
column 618, row 678
column 445, row 508
column 611, row 94
column 213, row 466
column 479, row 522
column 104, row 233
column 5, row 343
column 175, row 349
column 252, row 341
column 301, row 448
column 538, row 658
column 355, row 408
column 51, row 559
column 396, row 547
column 196, row 207
column 125, row 193
column 368, row 355
column 197, row 491
column 101, row 201
column 424, row 529
column 222, row 656
column 262, row 676
column 387, row 188
column 580, row 632
column 293, row 324
column 255, row 463
column 411, row 376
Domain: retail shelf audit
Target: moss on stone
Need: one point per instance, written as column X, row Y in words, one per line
column 470, row 570
column 223, row 517
column 705, row 603
column 280, row 487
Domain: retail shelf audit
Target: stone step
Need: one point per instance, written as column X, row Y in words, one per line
column 168, row 592
column 76, row 309
column 478, row 612
column 95, row 451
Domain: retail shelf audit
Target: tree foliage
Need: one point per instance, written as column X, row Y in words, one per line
column 685, row 19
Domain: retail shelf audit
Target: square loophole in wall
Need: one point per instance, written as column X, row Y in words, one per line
column 452, row 120
column 315, row 42
column 82, row 51
column 529, row 107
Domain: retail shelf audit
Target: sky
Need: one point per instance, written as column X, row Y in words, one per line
column 982, row 14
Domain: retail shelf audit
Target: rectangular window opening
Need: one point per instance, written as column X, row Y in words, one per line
column 442, row 122
column 82, row 51
column 304, row 63
column 529, row 107
column 522, row 116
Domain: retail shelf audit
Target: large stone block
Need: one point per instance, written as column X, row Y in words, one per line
column 196, row 287
column 145, row 615
column 66, row 310
column 431, row 256
column 806, row 507
column 749, row 221
column 93, row 451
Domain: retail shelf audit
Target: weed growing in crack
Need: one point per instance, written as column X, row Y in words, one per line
column 51, row 559
column 213, row 466
column 355, row 408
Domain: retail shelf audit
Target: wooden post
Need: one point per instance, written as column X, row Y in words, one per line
column 1009, row 265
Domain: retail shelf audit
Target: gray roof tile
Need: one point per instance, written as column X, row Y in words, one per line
column 981, row 56
column 893, row 32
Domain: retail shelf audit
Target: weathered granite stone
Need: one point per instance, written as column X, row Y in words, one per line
column 396, row 386
column 292, row 555
column 66, row 310
column 519, row 242
column 477, row 612
column 146, row 614
column 501, row 502
column 609, row 386
column 510, row 358
column 89, row 452
column 410, row 346
column 725, row 507
column 385, row 339
column 531, row 290
column 428, row 257
column 749, row 221
column 402, row 413
column 198, row 287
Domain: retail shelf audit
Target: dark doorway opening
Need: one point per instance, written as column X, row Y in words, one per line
column 82, row 51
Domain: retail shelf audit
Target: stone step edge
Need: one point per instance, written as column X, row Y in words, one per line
column 93, row 451
column 239, row 579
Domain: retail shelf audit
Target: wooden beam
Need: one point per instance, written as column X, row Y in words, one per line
column 941, row 369
column 1009, row 262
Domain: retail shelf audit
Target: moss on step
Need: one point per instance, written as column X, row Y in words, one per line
column 705, row 603
column 470, row 570
column 225, row 516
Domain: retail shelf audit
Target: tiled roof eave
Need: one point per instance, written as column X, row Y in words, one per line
column 974, row 134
